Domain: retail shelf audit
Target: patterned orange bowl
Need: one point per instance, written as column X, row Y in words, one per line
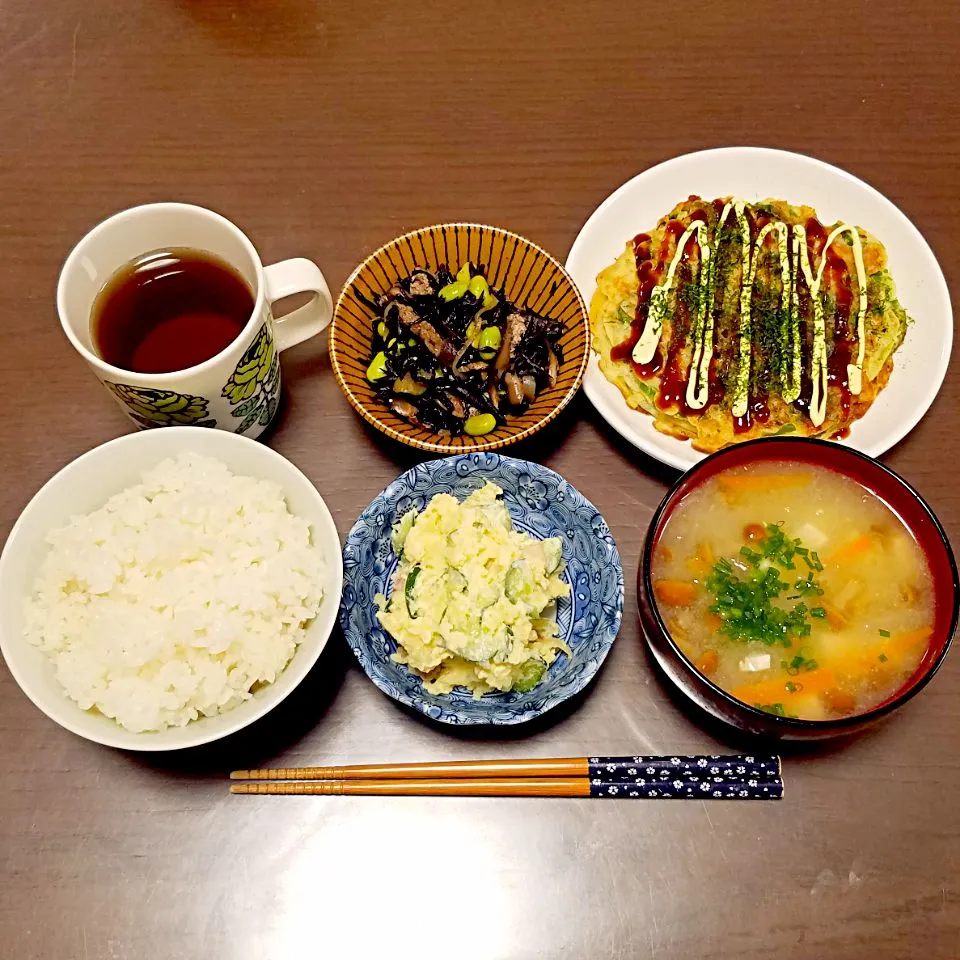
column 528, row 278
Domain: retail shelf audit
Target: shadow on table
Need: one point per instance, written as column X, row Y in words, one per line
column 627, row 452
column 257, row 27
column 289, row 721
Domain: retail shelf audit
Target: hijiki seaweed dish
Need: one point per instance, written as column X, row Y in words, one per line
column 733, row 320
column 454, row 356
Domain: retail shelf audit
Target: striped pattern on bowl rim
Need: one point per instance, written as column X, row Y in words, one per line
column 530, row 278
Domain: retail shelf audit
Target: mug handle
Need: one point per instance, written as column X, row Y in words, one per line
column 286, row 278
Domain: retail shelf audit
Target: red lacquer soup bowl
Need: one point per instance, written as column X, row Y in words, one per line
column 895, row 492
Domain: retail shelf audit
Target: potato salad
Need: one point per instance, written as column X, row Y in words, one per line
column 473, row 601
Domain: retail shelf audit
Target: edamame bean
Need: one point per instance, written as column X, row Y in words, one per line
column 453, row 291
column 480, row 424
column 378, row 367
column 489, row 339
column 478, row 286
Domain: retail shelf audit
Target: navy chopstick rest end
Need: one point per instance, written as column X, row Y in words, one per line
column 716, row 768
column 688, row 790
column 686, row 778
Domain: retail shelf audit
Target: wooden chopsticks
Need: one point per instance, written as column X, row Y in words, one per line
column 698, row 777
column 450, row 787
column 569, row 767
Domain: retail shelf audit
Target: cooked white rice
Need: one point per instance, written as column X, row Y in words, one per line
column 177, row 596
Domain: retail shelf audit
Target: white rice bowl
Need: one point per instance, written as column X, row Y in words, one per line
column 177, row 597
column 166, row 610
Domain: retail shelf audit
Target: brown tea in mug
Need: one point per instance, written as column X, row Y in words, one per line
column 169, row 310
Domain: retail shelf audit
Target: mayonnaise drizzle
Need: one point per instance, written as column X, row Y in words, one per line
column 698, row 382
column 854, row 370
column 646, row 346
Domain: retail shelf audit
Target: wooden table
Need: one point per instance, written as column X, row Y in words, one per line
column 325, row 129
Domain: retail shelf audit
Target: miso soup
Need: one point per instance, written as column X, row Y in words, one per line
column 794, row 589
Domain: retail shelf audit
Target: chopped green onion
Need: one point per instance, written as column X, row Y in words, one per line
column 807, row 587
column 884, row 633
column 798, row 663
column 774, row 708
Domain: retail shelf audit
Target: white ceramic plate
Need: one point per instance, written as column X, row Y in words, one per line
column 756, row 173
column 84, row 485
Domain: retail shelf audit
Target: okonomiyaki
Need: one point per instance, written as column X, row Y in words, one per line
column 733, row 320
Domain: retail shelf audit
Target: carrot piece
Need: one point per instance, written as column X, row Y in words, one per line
column 757, row 482
column 840, row 701
column 775, row 691
column 813, row 681
column 852, row 550
column 675, row 593
column 712, row 622
column 902, row 643
column 707, row 662
column 766, row 691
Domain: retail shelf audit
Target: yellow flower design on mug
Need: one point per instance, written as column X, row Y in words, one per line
column 254, row 387
column 162, row 408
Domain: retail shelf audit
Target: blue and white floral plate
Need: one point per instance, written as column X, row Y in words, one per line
column 541, row 504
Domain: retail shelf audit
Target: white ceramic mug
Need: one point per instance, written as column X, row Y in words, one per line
column 239, row 388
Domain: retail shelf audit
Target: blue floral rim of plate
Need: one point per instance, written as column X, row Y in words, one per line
column 542, row 504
